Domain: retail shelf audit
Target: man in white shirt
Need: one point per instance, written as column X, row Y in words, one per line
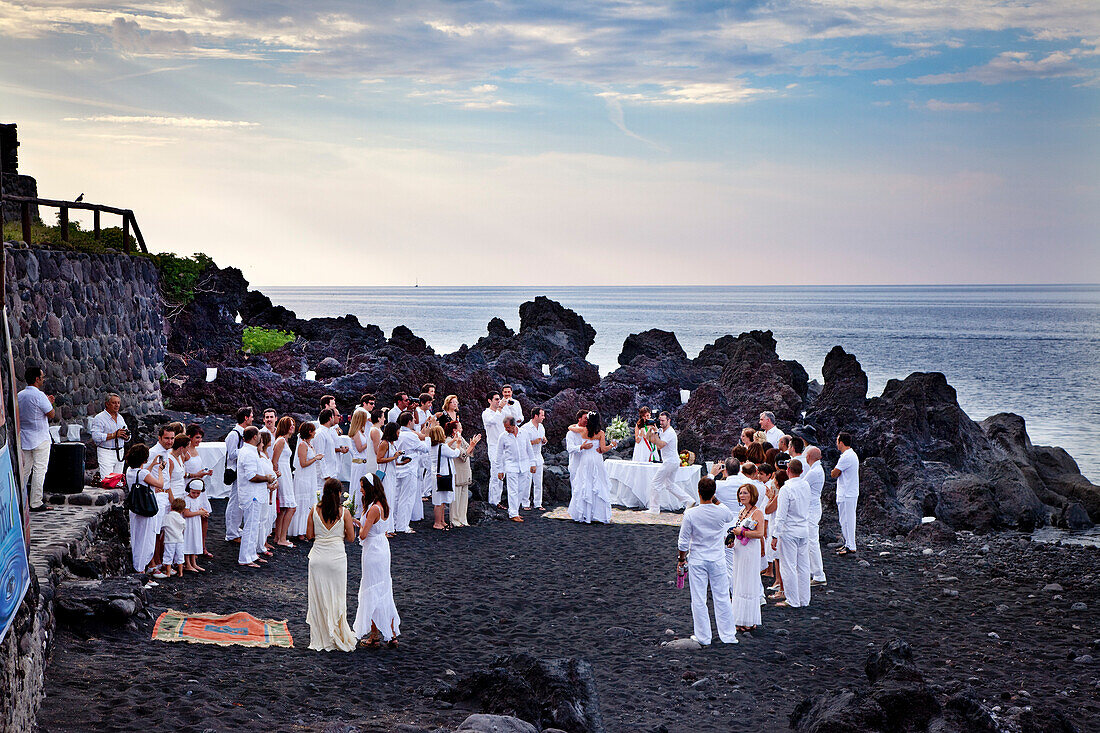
column 846, row 474
column 233, row 442
column 401, row 404
column 702, row 550
column 792, row 530
column 492, row 417
column 270, row 417
column 509, row 405
column 574, row 444
column 726, row 489
column 109, row 433
column 166, row 435
column 421, row 417
column 35, row 412
column 665, row 478
column 513, row 459
column 534, row 434
column 251, row 495
column 410, row 444
column 795, row 449
column 771, row 432
column 815, row 477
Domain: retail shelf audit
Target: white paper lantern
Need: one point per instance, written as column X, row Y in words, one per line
column 546, row 369
column 311, row 375
column 211, row 374
column 685, row 395
column 72, row 432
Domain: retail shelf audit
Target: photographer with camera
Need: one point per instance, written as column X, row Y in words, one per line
column 109, row 433
column 35, row 412
column 663, row 438
column 510, row 405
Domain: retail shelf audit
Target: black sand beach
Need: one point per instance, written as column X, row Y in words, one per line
column 553, row 588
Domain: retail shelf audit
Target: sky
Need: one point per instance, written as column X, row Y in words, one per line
column 576, row 142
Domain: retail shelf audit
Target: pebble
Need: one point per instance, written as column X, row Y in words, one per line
column 618, row 632
column 862, row 563
column 993, row 635
column 682, row 645
column 857, row 627
column 1084, row 659
column 670, row 632
column 782, row 632
column 950, row 593
column 927, row 551
column 1079, row 606
column 947, row 579
column 1053, row 588
column 984, row 550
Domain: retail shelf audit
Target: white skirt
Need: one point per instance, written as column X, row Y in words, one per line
column 376, row 591
column 745, row 585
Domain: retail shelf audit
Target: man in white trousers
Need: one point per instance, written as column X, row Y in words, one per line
column 233, row 442
column 410, row 445
column 251, row 496
column 792, row 530
column 109, row 433
column 534, row 434
column 492, row 417
column 846, row 474
column 702, row 550
column 665, row 479
column 815, row 477
column 35, row 412
column 513, row 459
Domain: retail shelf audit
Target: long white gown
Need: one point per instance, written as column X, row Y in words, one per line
column 328, row 588
column 363, row 463
column 376, row 587
column 305, row 491
column 745, row 585
column 287, row 496
column 591, row 500
column 389, row 485
column 143, row 530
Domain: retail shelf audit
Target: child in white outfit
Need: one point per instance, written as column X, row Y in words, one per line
column 174, row 526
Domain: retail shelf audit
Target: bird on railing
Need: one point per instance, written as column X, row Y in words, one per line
column 79, row 198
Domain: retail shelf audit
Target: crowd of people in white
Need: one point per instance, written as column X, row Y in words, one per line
column 756, row 515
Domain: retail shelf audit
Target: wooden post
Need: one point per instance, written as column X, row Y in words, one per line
column 64, row 222
column 126, row 233
column 25, row 213
column 95, row 224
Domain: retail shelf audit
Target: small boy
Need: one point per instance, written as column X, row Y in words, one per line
column 195, row 513
column 174, row 525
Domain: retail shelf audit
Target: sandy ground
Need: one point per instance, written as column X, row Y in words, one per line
column 552, row 588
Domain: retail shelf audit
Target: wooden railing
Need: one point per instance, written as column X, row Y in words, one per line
column 128, row 220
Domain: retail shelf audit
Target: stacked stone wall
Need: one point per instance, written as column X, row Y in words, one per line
column 93, row 322
column 16, row 185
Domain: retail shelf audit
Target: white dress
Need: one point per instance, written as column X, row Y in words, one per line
column 363, row 463
column 287, row 497
column 327, row 615
column 745, row 585
column 305, row 491
column 376, row 587
column 389, row 485
column 267, row 501
column 194, row 464
column 642, row 451
column 591, row 500
column 192, row 531
column 143, row 530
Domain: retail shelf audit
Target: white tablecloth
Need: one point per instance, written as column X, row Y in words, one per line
column 213, row 457
column 630, row 483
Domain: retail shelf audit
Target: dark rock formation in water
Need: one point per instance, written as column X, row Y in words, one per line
column 921, row 454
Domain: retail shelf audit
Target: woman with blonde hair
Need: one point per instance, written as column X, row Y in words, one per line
column 281, row 457
column 450, row 406
column 463, row 473
column 443, row 452
column 364, row 454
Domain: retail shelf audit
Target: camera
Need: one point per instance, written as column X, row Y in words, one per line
column 511, row 402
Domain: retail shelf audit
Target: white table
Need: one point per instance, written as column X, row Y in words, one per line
column 213, row 457
column 630, row 483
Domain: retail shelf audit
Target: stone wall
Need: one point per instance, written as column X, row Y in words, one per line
column 15, row 185
column 94, row 322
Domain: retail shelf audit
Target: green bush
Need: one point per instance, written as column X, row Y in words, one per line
column 259, row 340
column 179, row 275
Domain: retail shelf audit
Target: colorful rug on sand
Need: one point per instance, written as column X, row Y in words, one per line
column 238, row 629
column 627, row 516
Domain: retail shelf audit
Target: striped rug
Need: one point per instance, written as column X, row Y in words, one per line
column 627, row 516
column 237, row 629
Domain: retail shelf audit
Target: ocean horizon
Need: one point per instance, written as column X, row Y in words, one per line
column 1031, row 349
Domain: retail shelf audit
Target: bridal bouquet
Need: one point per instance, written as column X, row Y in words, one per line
column 618, row 429
column 349, row 502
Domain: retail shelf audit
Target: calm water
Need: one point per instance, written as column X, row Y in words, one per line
column 1032, row 350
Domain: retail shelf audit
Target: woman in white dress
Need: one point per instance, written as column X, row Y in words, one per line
column 387, row 454
column 771, row 557
column 281, row 456
column 194, row 468
column 376, row 618
column 305, row 480
column 330, row 525
column 643, row 451
column 591, row 500
column 143, row 530
column 463, row 473
column 443, row 452
column 745, row 571
column 364, row 455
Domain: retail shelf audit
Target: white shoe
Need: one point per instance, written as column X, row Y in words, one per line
column 735, row 641
column 697, row 641
column 159, row 574
column 152, row 584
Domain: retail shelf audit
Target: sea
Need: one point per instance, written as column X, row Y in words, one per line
column 1029, row 349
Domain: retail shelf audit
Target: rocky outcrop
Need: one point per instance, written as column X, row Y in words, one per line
column 206, row 328
column 549, row 693
column 652, row 344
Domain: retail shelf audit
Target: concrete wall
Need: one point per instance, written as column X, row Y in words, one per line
column 94, row 322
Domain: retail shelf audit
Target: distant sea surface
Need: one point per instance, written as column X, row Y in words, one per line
column 1029, row 349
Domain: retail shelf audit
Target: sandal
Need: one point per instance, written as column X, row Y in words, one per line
column 392, row 643
column 286, row 544
column 371, row 642
column 783, row 604
column 844, row 551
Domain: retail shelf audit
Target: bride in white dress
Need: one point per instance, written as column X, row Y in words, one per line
column 591, row 500
column 376, row 619
column 643, row 451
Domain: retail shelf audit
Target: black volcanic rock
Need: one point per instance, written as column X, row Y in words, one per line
column 402, row 337
column 206, row 328
column 845, row 380
column 652, row 344
column 561, row 328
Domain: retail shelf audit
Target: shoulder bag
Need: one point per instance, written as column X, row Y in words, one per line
column 140, row 498
column 443, row 483
column 229, row 475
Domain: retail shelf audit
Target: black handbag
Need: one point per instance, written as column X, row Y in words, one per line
column 443, row 483
column 229, row 475
column 141, row 499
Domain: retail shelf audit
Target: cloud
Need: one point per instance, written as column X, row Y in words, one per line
column 937, row 105
column 615, row 114
column 479, row 96
column 196, row 122
column 128, row 35
column 1009, row 66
